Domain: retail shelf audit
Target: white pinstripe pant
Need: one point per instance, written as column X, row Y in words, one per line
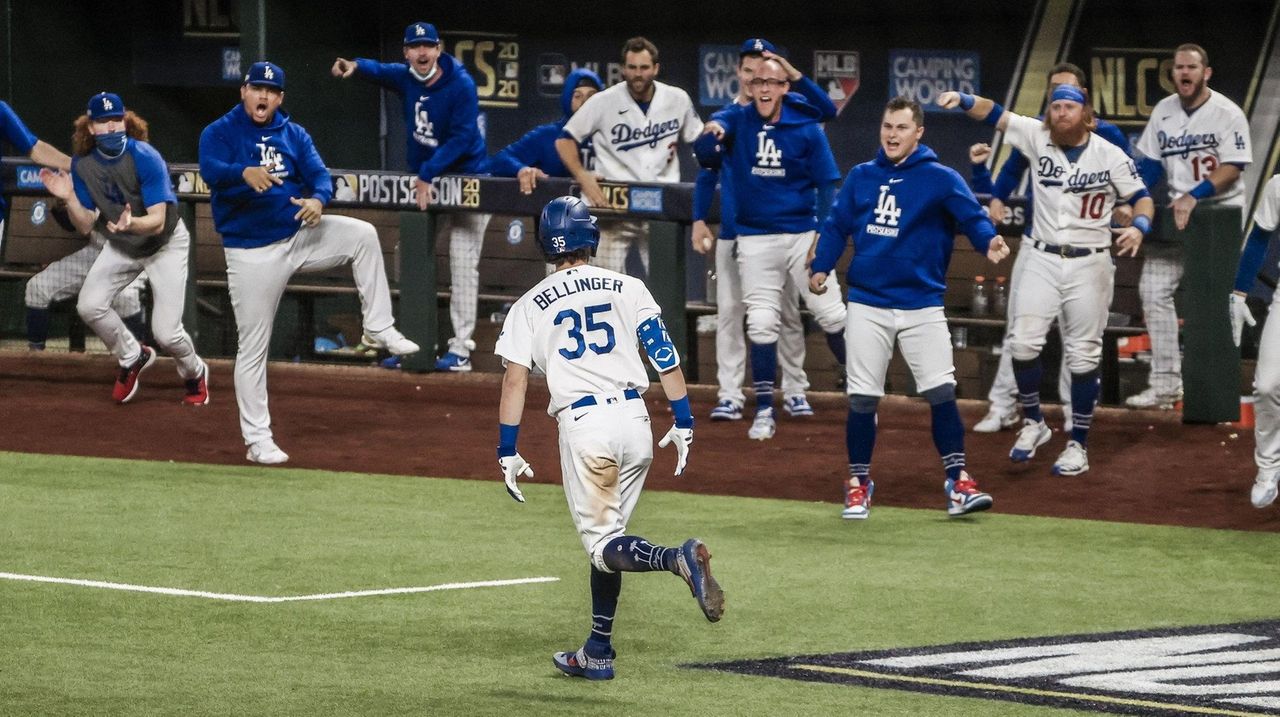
column 1161, row 274
column 466, row 237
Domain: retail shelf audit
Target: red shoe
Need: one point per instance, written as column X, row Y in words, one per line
column 127, row 382
column 198, row 388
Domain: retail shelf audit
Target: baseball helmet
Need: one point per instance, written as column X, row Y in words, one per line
column 566, row 226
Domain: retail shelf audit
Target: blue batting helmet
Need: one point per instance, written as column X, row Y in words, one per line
column 567, row 226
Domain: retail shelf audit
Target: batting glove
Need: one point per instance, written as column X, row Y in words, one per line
column 681, row 438
column 512, row 468
column 1240, row 315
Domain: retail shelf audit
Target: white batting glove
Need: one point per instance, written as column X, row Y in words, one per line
column 1240, row 315
column 681, row 438
column 513, row 467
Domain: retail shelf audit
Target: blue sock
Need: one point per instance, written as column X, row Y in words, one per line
column 605, row 588
column 764, row 372
column 137, row 325
column 1084, row 395
column 860, row 435
column 633, row 554
column 948, row 437
column 1028, row 374
column 835, row 342
column 37, row 326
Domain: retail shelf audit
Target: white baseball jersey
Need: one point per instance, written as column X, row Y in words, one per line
column 1073, row 200
column 632, row 145
column 1267, row 215
column 1191, row 146
column 579, row 326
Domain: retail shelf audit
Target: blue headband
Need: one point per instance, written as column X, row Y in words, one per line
column 1067, row 92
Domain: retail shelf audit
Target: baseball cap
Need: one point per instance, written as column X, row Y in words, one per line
column 421, row 33
column 267, row 74
column 105, row 105
column 755, row 45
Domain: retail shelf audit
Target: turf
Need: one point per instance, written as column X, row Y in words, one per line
column 797, row 579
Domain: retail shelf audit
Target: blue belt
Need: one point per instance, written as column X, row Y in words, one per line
column 1067, row 251
column 585, row 401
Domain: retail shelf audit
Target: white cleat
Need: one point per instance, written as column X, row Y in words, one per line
column 1033, row 435
column 1264, row 488
column 996, row 420
column 266, row 452
column 1073, row 460
column 763, row 426
column 1152, row 399
column 393, row 341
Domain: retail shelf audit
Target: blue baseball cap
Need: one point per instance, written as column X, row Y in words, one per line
column 105, row 105
column 757, row 45
column 267, row 74
column 421, row 33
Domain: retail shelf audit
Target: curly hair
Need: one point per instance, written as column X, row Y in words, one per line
column 82, row 141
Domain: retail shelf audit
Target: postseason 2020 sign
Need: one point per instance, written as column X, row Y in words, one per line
column 922, row 75
column 493, row 59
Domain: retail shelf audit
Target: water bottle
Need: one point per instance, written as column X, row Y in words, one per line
column 1000, row 298
column 979, row 305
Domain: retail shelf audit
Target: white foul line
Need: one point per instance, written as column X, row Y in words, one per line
column 265, row 598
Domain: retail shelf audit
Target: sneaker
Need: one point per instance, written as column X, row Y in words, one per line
column 1033, row 435
column 1264, row 488
column 266, row 452
column 580, row 664
column 1150, row 398
column 127, row 382
column 693, row 563
column 997, row 420
column 198, row 388
column 453, row 362
column 391, row 362
column 963, row 496
column 797, row 406
column 726, row 410
column 1073, row 460
column 763, row 426
column 392, row 340
column 857, row 499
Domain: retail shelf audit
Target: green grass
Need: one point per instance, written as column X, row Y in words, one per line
column 798, row 580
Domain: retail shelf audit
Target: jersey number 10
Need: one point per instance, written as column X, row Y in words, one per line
column 1091, row 205
column 576, row 323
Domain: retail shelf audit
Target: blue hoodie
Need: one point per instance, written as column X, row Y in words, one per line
column 229, row 145
column 778, row 170
column 13, row 131
column 903, row 219
column 537, row 148
column 440, row 120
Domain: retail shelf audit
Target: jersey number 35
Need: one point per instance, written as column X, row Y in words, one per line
column 587, row 318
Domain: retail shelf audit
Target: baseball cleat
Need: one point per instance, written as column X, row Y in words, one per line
column 726, row 410
column 1033, row 435
column 1073, row 460
column 266, row 452
column 693, row 563
column 127, row 382
column 857, row 499
column 392, row 340
column 1264, row 488
column 963, row 496
column 763, row 426
column 198, row 388
column 1150, row 398
column 996, row 420
column 580, row 664
column 797, row 406
column 453, row 362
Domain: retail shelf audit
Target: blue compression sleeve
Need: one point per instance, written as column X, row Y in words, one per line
column 1255, row 252
column 507, row 434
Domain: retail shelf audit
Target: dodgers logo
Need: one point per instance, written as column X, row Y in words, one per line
column 625, row 137
column 423, row 130
column 39, row 212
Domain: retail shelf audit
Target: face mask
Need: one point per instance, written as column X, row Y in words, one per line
column 423, row 78
column 111, row 143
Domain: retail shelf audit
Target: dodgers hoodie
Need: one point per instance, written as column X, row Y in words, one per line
column 537, row 148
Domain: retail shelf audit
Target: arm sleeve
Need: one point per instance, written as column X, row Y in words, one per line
column 1010, row 176
column 1236, row 147
column 838, row 225
column 314, row 173
column 826, row 197
column 1255, row 251
column 980, row 178
column 385, row 74
column 82, row 190
column 968, row 213
column 582, row 124
column 153, row 175
column 464, row 130
column 1021, row 132
column 515, row 341
column 1148, row 147
column 691, row 125
column 709, row 151
column 1125, row 177
column 823, row 170
column 215, row 161
column 704, row 190
column 14, row 131
column 1116, row 136
column 521, row 153
column 814, row 95
column 1151, row 171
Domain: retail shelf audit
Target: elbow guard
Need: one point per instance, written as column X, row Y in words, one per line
column 657, row 344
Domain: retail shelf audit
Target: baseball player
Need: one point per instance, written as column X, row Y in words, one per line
column 268, row 189
column 731, row 350
column 635, row 127
column 580, row 326
column 440, row 106
column 902, row 210
column 119, row 189
column 1266, row 381
column 1003, row 412
column 1199, row 141
column 15, row 133
column 534, row 156
column 784, row 176
column 62, row 279
column 1069, row 270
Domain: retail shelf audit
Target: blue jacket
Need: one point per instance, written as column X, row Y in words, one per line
column 440, row 120
column 903, row 219
column 778, row 169
column 537, row 148
column 13, row 131
column 229, row 145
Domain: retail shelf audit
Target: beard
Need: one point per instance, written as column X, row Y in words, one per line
column 1068, row 136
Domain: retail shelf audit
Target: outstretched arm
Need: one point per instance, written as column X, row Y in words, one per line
column 979, row 108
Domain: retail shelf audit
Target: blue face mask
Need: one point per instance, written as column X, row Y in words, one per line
column 111, row 143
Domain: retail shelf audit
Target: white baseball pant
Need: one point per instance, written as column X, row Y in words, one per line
column 466, row 238
column 63, row 278
column 772, row 267
column 921, row 334
column 1004, row 388
column 256, row 279
column 1161, row 274
column 1074, row 291
column 1266, row 382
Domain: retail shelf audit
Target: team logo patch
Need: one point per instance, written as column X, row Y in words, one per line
column 839, row 73
column 1210, row 670
column 39, row 212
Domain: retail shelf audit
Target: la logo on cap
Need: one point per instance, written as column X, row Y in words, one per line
column 759, row 45
column 267, row 73
column 106, row 104
column 419, row 30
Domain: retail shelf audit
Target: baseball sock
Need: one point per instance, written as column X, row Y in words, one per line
column 633, row 554
column 835, row 342
column 860, row 434
column 764, row 373
column 605, row 588
column 1027, row 374
column 948, row 437
column 37, row 327
column 137, row 325
column 1084, row 394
